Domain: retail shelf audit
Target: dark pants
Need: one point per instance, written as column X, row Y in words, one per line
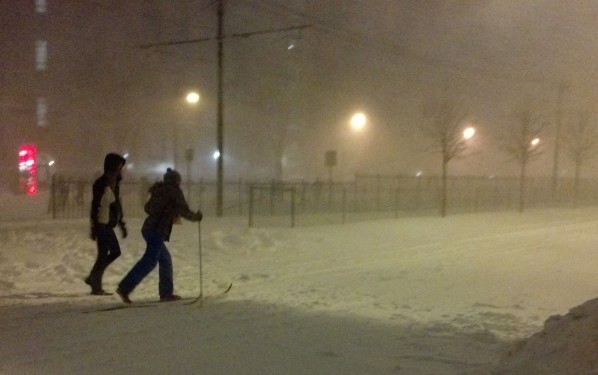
column 155, row 253
column 108, row 251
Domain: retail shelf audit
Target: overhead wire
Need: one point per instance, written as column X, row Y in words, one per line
column 356, row 39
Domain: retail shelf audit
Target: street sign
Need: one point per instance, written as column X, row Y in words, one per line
column 330, row 158
column 189, row 154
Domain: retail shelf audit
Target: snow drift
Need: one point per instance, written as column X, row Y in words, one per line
column 567, row 345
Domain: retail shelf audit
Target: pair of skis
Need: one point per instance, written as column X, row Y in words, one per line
column 201, row 297
column 183, row 301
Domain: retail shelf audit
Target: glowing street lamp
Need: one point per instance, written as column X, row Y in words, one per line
column 358, row 121
column 468, row 133
column 192, row 97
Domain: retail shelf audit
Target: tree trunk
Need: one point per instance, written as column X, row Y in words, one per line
column 522, row 187
column 443, row 202
column 576, row 182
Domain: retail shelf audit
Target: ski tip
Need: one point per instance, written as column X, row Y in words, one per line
column 229, row 288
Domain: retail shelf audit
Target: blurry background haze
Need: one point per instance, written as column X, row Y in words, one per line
column 80, row 78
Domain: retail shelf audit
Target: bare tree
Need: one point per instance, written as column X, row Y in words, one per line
column 580, row 141
column 444, row 121
column 277, row 135
column 522, row 143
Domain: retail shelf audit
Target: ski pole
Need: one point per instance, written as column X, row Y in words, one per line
column 200, row 265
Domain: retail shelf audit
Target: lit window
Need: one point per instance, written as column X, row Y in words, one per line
column 41, row 6
column 42, row 112
column 41, row 55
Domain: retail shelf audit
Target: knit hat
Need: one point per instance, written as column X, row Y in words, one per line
column 112, row 162
column 172, row 177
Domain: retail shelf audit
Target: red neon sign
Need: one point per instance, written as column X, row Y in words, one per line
column 28, row 168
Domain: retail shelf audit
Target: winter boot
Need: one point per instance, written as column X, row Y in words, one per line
column 100, row 292
column 170, row 298
column 123, row 295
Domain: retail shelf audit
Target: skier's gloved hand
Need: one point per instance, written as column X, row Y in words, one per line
column 92, row 233
column 123, row 229
column 198, row 215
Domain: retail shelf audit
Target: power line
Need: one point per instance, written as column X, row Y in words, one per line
column 390, row 49
column 234, row 35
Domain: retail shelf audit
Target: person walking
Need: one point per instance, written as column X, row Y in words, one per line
column 165, row 206
column 106, row 213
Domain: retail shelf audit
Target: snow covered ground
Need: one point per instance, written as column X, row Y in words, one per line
column 422, row 295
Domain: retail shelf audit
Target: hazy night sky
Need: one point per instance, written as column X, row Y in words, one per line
column 385, row 58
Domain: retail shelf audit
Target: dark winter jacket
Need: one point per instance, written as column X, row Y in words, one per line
column 110, row 176
column 165, row 205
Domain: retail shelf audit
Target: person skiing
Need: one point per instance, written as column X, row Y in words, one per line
column 105, row 214
column 165, row 205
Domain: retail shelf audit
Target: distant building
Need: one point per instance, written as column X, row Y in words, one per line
column 61, row 70
column 76, row 81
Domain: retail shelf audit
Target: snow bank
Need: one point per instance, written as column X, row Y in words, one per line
column 567, row 345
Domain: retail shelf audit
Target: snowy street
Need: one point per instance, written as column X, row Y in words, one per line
column 410, row 296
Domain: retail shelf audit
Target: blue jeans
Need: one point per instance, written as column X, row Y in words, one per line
column 155, row 253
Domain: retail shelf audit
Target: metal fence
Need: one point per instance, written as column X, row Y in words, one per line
column 382, row 195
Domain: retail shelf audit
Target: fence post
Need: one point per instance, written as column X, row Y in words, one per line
column 355, row 194
column 397, row 202
column 344, row 205
column 240, row 190
column 53, row 197
column 378, row 192
column 272, row 198
column 293, row 207
column 418, row 192
column 250, row 206
column 303, row 198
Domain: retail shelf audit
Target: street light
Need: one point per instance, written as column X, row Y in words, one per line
column 358, row 121
column 468, row 133
column 192, row 97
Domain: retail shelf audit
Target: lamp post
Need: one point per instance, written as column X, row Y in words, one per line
column 192, row 99
column 358, row 123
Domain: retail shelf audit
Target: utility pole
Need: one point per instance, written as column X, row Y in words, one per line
column 220, row 136
column 557, row 138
